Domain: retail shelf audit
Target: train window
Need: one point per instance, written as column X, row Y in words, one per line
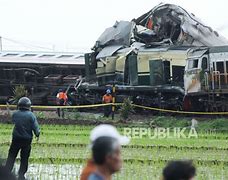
column 220, row 67
column 204, row 63
column 10, row 55
column 29, row 55
column 193, row 63
column 46, row 56
column 65, row 56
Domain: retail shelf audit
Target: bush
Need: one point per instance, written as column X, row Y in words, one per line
column 19, row 91
column 125, row 109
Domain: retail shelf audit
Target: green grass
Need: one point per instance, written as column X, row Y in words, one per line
column 143, row 158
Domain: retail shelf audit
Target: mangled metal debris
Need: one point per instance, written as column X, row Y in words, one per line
column 169, row 21
column 120, row 33
column 165, row 24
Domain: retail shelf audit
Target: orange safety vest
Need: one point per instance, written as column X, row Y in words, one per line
column 107, row 98
column 62, row 95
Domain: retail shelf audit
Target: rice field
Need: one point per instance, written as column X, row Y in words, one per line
column 63, row 150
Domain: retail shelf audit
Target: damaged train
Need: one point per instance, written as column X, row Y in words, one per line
column 41, row 73
column 166, row 58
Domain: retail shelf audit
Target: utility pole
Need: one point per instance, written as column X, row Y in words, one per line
column 113, row 100
column 0, row 43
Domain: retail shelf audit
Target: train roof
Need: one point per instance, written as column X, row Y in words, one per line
column 218, row 49
column 166, row 48
column 57, row 58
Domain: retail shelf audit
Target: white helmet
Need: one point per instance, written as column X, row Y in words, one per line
column 106, row 130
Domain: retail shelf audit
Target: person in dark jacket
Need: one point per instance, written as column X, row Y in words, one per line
column 25, row 125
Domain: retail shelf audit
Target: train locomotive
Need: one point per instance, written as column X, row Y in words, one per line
column 166, row 58
column 179, row 78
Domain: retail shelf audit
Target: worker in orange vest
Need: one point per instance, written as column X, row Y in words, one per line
column 61, row 101
column 107, row 98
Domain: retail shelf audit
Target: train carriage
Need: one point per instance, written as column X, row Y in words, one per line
column 41, row 73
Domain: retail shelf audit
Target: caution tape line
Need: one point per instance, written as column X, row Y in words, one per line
column 119, row 104
column 65, row 107
column 179, row 112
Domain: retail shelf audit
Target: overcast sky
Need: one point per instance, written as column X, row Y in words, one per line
column 74, row 25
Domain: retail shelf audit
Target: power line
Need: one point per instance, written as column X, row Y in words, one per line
column 26, row 44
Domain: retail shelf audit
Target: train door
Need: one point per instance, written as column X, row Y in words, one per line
column 131, row 71
column 196, row 74
column 204, row 73
column 159, row 72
